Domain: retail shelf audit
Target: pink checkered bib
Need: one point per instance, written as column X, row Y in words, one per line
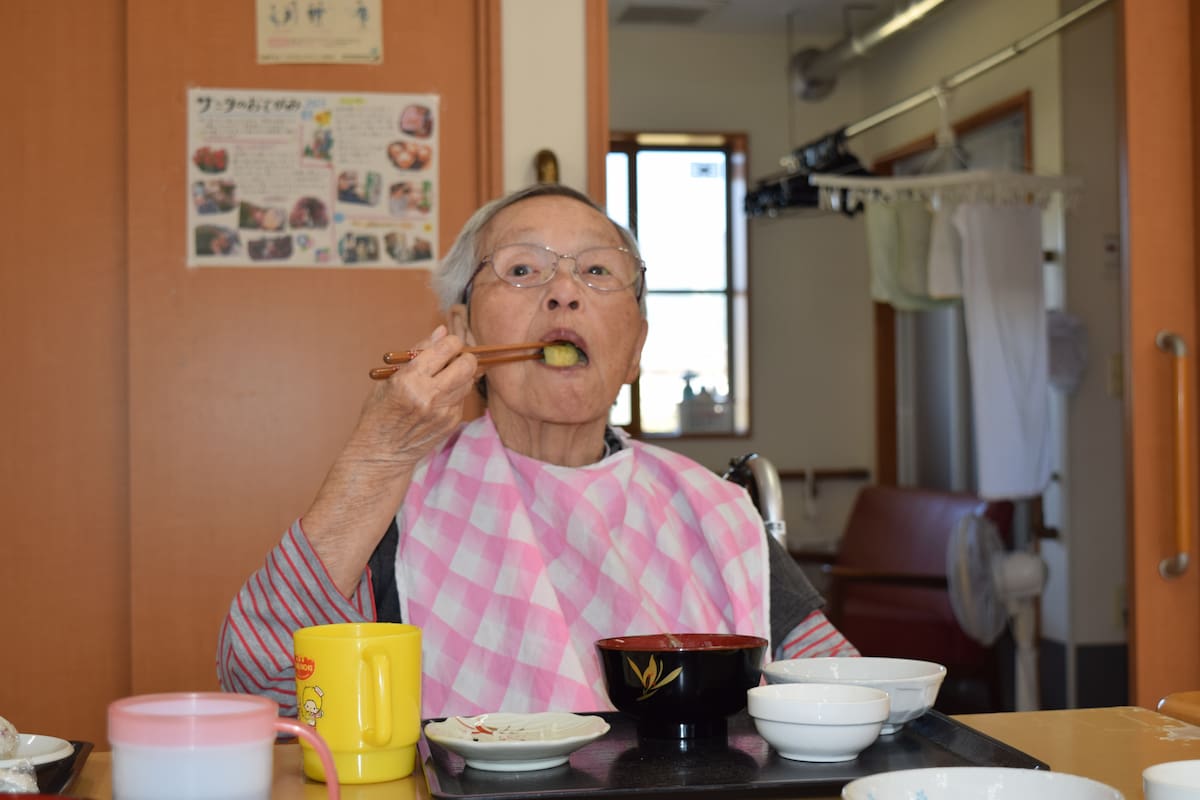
column 513, row 568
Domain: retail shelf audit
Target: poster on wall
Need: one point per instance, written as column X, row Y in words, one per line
column 311, row 179
column 319, row 31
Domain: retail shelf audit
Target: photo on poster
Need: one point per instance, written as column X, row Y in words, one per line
column 214, row 196
column 216, row 240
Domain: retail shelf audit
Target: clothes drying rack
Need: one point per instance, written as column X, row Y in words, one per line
column 986, row 185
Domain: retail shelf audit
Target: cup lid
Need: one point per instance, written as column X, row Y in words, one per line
column 191, row 718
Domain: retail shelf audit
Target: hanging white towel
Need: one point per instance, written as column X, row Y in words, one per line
column 1004, row 308
column 898, row 249
column 945, row 254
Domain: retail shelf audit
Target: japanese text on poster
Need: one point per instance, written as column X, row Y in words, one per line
column 320, row 31
column 303, row 179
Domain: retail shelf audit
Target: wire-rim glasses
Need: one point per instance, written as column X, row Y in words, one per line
column 526, row 265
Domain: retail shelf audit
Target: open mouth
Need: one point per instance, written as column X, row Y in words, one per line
column 563, row 354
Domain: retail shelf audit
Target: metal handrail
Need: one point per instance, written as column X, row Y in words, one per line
column 759, row 476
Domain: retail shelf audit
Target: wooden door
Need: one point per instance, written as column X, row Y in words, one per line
column 1161, row 40
column 243, row 383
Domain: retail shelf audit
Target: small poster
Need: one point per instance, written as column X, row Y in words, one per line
column 308, row 179
column 320, row 31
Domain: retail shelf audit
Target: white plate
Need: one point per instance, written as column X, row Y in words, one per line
column 39, row 749
column 505, row 742
column 978, row 783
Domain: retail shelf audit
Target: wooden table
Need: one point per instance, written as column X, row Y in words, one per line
column 1111, row 745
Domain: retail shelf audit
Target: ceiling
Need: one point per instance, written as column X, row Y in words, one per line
column 818, row 18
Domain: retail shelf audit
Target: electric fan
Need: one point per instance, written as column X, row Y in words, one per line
column 990, row 586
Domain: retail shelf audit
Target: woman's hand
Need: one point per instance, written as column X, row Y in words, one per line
column 403, row 420
column 411, row 412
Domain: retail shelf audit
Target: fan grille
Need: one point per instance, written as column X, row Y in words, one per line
column 971, row 557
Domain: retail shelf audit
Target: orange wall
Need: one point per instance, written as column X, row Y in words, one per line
column 64, row 634
column 162, row 425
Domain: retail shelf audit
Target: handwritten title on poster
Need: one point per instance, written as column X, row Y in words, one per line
column 320, row 31
column 301, row 179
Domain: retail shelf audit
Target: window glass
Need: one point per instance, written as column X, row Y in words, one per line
column 687, row 346
column 622, row 410
column 617, row 187
column 681, row 226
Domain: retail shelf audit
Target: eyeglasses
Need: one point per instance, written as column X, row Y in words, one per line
column 604, row 269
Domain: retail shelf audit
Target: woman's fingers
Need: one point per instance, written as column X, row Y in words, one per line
column 423, row 390
column 436, row 353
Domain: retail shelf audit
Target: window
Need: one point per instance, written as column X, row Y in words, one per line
column 682, row 196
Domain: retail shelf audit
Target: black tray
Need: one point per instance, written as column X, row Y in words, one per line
column 56, row 776
column 619, row 764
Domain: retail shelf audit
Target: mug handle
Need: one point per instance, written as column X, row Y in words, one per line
column 380, row 734
column 291, row 726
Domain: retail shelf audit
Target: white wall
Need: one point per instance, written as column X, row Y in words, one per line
column 544, row 63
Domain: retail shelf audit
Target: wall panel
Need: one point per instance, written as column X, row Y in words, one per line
column 64, row 635
column 244, row 382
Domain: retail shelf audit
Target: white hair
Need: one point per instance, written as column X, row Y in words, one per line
column 454, row 272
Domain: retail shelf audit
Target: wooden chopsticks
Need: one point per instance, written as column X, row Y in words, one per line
column 491, row 354
column 409, row 355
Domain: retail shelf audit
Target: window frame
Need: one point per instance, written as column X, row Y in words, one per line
column 737, row 277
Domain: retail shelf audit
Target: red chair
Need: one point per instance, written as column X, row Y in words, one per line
column 887, row 588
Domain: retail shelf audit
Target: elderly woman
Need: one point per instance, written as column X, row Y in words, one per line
column 517, row 539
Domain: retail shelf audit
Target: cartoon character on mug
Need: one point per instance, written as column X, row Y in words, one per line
column 312, row 701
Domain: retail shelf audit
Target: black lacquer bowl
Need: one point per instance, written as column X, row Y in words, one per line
column 683, row 685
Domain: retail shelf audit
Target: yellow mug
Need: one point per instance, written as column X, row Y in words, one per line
column 359, row 685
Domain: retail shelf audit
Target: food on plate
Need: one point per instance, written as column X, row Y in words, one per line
column 208, row 159
column 409, row 155
column 9, row 741
column 417, row 120
column 562, row 354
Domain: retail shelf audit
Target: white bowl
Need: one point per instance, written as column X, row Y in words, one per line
column 818, row 722
column 913, row 685
column 1172, row 780
column 38, row 749
column 977, row 783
